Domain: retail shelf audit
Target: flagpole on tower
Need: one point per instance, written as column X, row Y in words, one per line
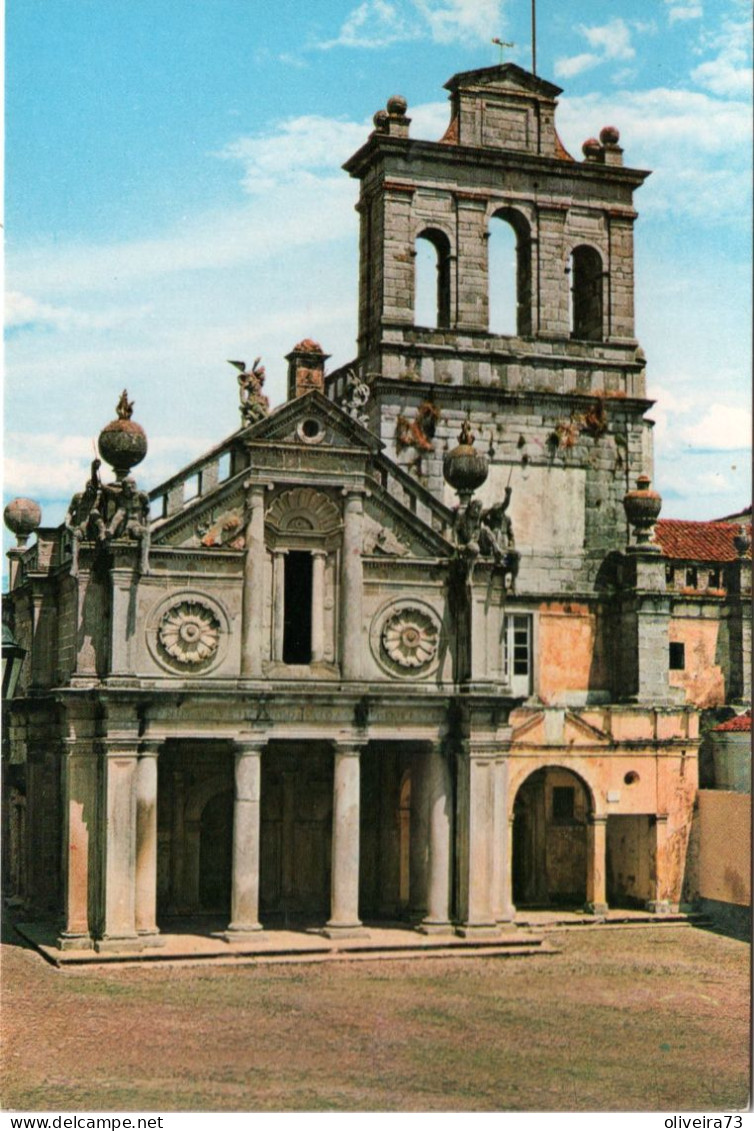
column 534, row 37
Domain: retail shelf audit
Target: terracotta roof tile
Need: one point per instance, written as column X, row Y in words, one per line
column 737, row 723
column 698, row 541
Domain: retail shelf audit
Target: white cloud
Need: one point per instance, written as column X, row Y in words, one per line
column 730, row 73
column 613, row 39
column 380, row 23
column 697, row 145
column 691, row 11
column 23, row 311
column 464, row 21
column 575, row 64
column 724, row 427
column 609, row 42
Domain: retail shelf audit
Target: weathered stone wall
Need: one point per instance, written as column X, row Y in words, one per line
column 725, row 846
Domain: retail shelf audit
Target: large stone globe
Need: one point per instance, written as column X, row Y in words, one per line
column 123, row 442
column 465, row 468
column 22, row 517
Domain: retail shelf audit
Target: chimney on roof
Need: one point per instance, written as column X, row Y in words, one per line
column 306, row 368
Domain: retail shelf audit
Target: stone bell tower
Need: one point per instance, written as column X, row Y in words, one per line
column 558, row 401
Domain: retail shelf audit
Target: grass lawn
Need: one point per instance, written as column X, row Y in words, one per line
column 650, row 1018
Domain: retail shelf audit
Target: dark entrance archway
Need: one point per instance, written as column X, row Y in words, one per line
column 549, row 839
column 216, row 853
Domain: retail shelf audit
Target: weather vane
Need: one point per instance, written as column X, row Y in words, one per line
column 502, row 43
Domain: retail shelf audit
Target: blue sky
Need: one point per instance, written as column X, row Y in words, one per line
column 175, row 198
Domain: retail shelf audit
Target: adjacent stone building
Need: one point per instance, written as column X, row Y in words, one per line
column 401, row 648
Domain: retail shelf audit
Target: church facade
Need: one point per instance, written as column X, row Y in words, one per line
column 400, row 648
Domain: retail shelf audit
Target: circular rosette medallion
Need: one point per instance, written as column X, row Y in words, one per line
column 189, row 633
column 410, row 637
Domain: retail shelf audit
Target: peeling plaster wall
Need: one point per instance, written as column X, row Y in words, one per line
column 725, row 846
column 702, row 678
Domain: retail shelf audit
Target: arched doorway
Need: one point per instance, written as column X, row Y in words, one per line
column 216, row 853
column 550, row 839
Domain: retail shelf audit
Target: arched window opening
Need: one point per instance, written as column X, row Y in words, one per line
column 509, row 273
column 432, row 305
column 586, row 294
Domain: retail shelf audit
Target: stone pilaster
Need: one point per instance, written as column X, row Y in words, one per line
column 475, row 840
column 79, row 820
column 351, row 588
column 440, row 802
column 118, row 825
column 596, row 849
column 146, row 845
column 319, row 557
column 278, row 603
column 244, row 909
column 253, row 586
column 502, row 887
column 659, row 903
column 344, row 919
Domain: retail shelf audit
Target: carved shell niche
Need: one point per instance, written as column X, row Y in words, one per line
column 303, row 509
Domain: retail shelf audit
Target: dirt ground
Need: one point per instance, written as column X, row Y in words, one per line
column 650, row 1018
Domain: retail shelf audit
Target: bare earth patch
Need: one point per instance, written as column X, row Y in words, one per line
column 652, row 1018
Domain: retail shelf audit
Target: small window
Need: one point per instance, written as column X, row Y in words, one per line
column 563, row 802
column 692, row 578
column 517, row 658
column 669, row 574
column 297, row 620
column 223, row 467
column 714, row 579
column 677, row 656
column 192, row 487
column 586, row 294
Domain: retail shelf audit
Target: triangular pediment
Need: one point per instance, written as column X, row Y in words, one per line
column 504, row 78
column 311, row 422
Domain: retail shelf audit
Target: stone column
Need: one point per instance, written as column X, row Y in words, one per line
column 475, row 839
column 596, row 845
column 244, row 902
column 146, row 846
column 253, row 586
column 278, row 598
column 319, row 557
column 344, row 919
column 118, row 825
column 351, row 586
column 418, row 840
column 440, row 802
column 79, row 809
column 502, row 903
column 660, row 903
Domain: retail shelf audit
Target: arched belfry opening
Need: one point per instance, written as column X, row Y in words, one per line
column 509, row 273
column 432, row 279
column 586, row 294
column 550, row 816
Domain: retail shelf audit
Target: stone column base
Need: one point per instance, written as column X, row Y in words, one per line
column 151, row 938
column 70, row 941
column 478, row 931
column 434, row 927
column 115, row 944
column 595, row 909
column 244, row 932
column 345, row 931
column 659, row 906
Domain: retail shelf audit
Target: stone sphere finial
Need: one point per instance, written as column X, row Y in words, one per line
column 397, row 106
column 123, row 443
column 642, row 506
column 22, row 517
column 380, row 120
column 465, row 468
column 591, row 147
column 609, row 135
